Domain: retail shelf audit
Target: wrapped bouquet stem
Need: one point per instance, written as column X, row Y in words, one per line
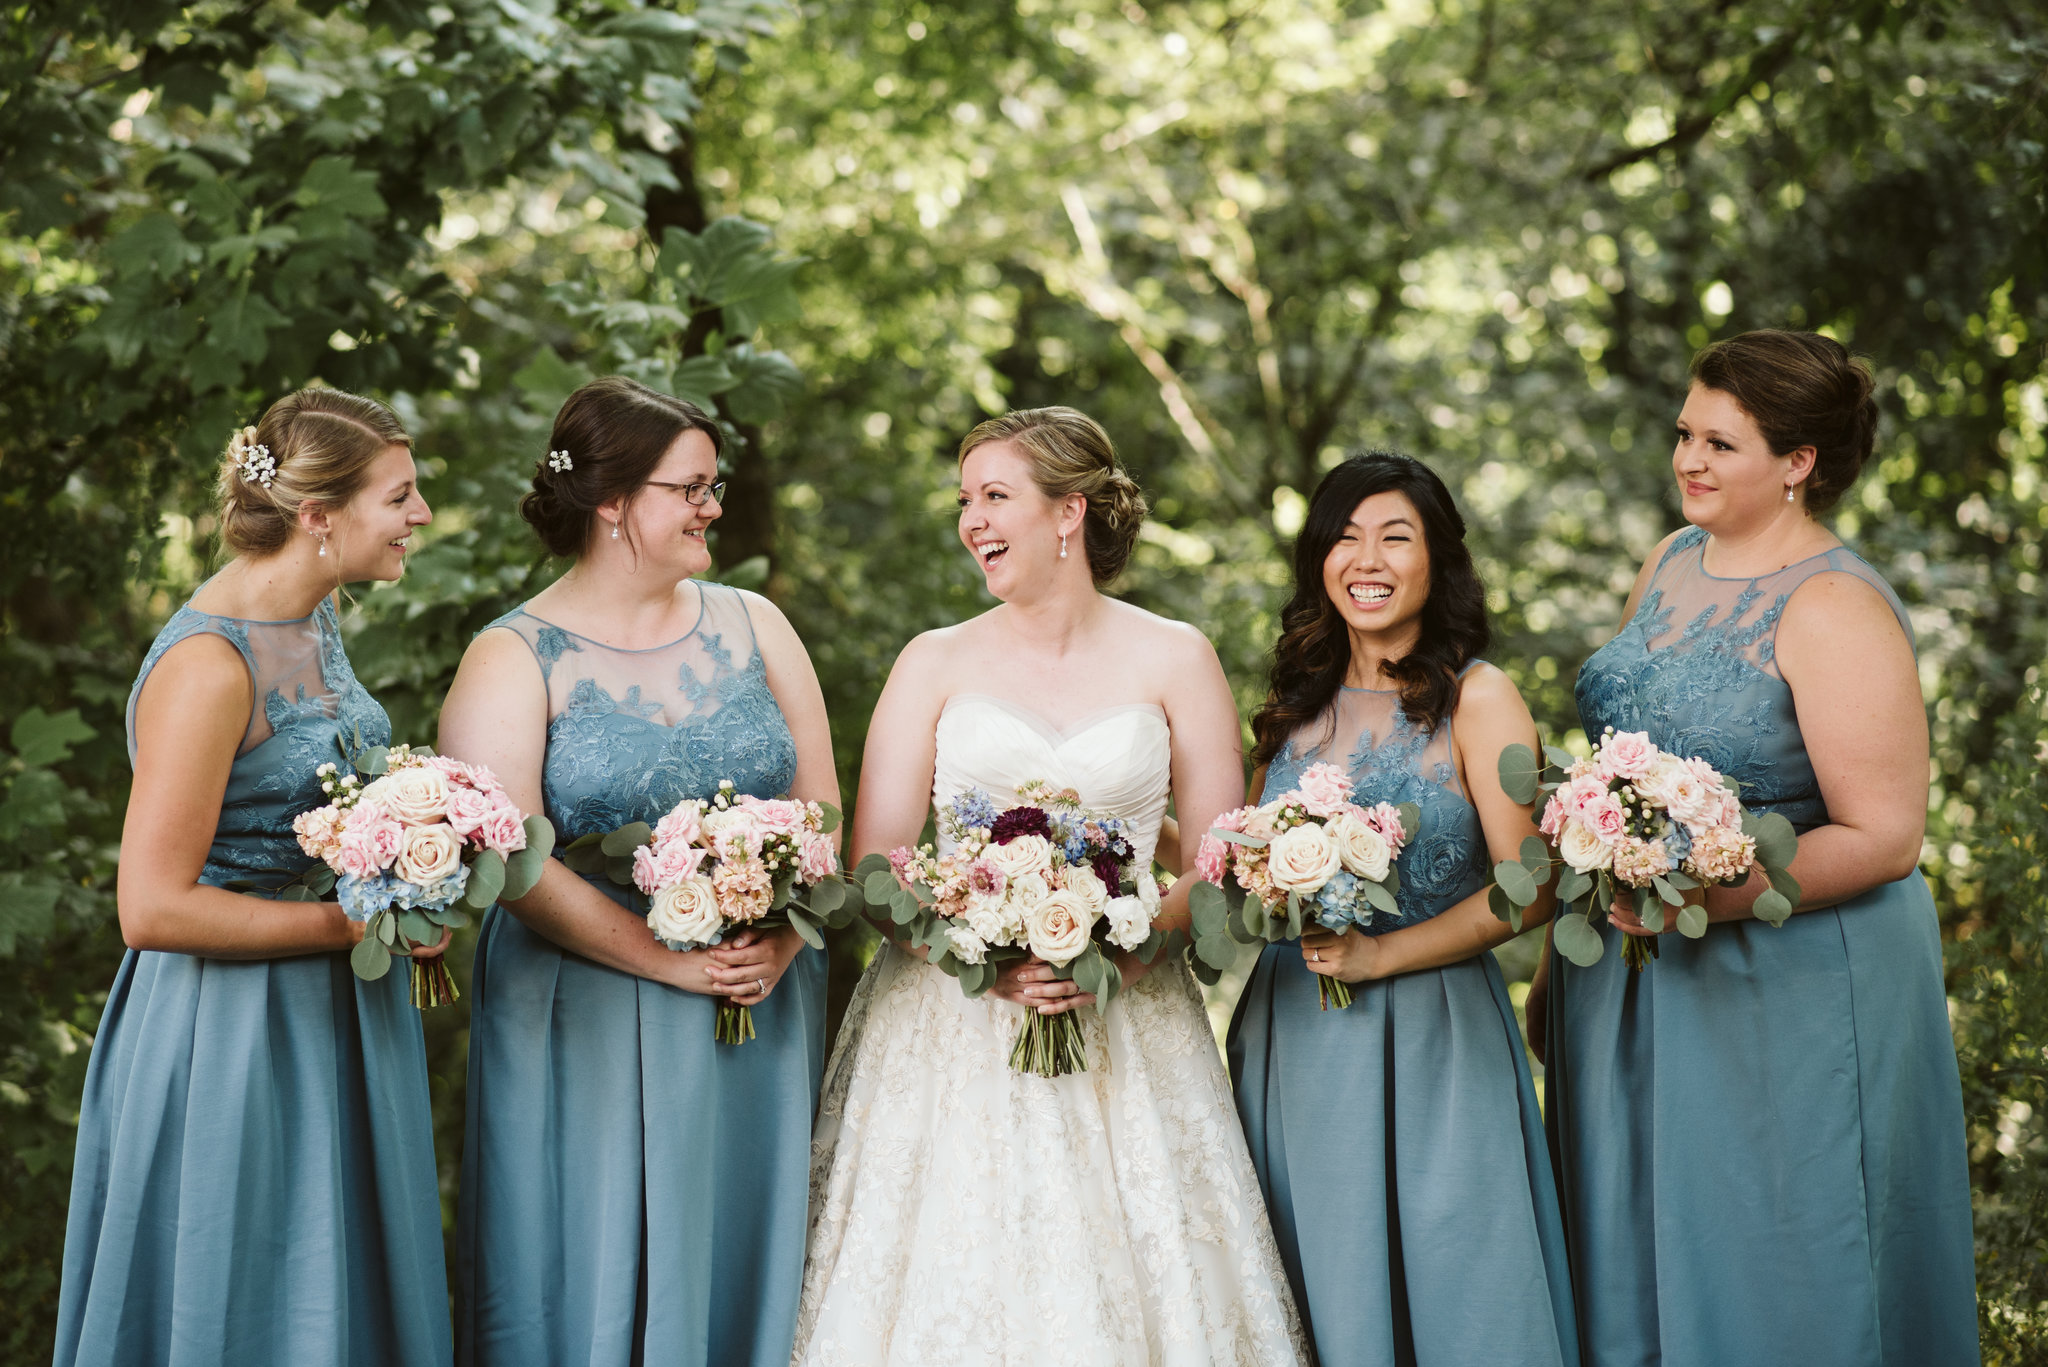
column 1638, row 823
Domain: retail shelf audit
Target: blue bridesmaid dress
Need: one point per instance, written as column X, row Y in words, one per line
column 633, row 1191
column 1398, row 1141
column 1759, row 1138
column 255, row 1178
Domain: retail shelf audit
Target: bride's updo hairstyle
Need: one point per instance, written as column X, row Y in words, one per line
column 1314, row 651
column 1801, row 389
column 1071, row 454
column 313, row 445
column 609, row 437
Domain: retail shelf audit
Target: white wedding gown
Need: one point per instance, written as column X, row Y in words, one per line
column 962, row 1213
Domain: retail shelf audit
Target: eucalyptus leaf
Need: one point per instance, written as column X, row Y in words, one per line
column 1252, row 916
column 1519, row 773
column 1692, row 921
column 1670, row 894
column 1411, row 819
column 871, row 865
column 1206, row 907
column 1381, row 896
column 370, row 959
column 1217, row 951
column 805, row 929
column 832, row 818
column 619, row 868
column 1503, row 909
column 297, row 892
column 828, row 897
column 1253, row 842
column 486, row 880
column 1773, row 907
column 1572, row 885
column 1559, row 756
column 1516, row 881
column 1785, row 884
column 1573, row 936
column 627, row 839
column 880, row 888
column 385, row 926
column 1536, row 857
column 415, row 927
column 374, row 761
column 903, row 907
column 1777, row 844
column 1653, row 918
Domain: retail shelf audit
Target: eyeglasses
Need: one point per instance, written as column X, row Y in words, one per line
column 694, row 494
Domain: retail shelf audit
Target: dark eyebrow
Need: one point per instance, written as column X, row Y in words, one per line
column 1390, row 522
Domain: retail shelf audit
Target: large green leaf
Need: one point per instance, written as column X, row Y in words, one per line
column 42, row 738
column 370, row 959
column 1519, row 773
column 1574, row 937
column 1516, row 881
column 628, row 838
column 1777, row 844
column 524, row 868
column 486, row 880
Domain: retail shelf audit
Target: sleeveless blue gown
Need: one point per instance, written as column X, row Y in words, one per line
column 1398, row 1141
column 1760, row 1137
column 255, row 1178
column 632, row 1191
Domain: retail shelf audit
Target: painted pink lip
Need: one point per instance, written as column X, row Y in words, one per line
column 1698, row 490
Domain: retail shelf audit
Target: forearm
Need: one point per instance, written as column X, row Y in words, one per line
column 575, row 916
column 1834, row 864
column 1462, row 932
column 213, row 923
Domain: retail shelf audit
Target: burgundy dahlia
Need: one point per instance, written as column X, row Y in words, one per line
column 1020, row 821
column 1110, row 870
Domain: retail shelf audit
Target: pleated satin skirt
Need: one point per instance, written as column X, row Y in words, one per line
column 1403, row 1161
column 632, row 1190
column 1760, row 1145
column 255, row 1177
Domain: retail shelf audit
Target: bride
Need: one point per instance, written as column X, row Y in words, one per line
column 965, row 1213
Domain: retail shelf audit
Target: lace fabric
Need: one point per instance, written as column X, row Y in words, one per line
column 1392, row 759
column 1696, row 668
column 633, row 732
column 309, row 710
column 963, row 1213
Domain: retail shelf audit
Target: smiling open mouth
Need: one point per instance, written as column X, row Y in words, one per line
column 1370, row 595
column 990, row 552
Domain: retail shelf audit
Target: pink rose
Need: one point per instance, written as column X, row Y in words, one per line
column 684, row 825
column 900, row 860
column 467, row 809
column 1628, row 754
column 1554, row 816
column 1234, row 820
column 370, row 838
column 1604, row 818
column 1211, row 859
column 504, row 830
column 1385, row 818
column 664, row 864
column 775, row 818
column 816, row 862
column 1582, row 795
column 1323, row 788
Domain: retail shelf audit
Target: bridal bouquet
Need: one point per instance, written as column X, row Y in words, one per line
column 424, row 837
column 1046, row 877
column 1310, row 852
column 1640, row 819
column 713, row 868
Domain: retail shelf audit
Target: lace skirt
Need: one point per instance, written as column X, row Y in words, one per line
column 966, row 1214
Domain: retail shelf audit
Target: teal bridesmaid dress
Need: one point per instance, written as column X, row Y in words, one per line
column 255, row 1177
column 1397, row 1141
column 633, row 1191
column 1760, row 1137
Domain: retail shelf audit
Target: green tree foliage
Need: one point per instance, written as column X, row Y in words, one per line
column 1245, row 237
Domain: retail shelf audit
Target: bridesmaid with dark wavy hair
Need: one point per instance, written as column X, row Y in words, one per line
column 1397, row 1140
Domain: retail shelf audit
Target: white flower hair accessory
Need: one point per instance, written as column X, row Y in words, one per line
column 559, row 462
column 252, row 458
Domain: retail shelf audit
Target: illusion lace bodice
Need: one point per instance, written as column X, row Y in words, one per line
column 1696, row 668
column 309, row 710
column 1391, row 759
column 633, row 732
column 1119, row 759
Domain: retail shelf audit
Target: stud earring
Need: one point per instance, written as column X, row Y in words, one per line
column 1063, row 545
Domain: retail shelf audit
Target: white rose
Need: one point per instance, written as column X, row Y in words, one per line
column 993, row 920
column 1361, row 849
column 1027, row 891
column 968, row 947
column 413, row 796
column 427, row 854
column 1025, row 854
column 686, row 913
column 1582, row 849
column 1082, row 882
column 1301, row 859
column 1057, row 927
column 1148, row 894
column 1130, row 924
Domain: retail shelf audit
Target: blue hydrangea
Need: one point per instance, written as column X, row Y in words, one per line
column 1341, row 902
column 1678, row 841
column 1076, row 849
column 362, row 898
column 975, row 809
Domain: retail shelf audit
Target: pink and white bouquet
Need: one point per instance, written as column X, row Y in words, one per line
column 1310, row 852
column 403, row 852
column 1044, row 877
column 1637, row 818
column 712, row 868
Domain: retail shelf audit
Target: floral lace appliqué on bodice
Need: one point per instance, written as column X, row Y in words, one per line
column 1711, row 687
column 309, row 710
column 633, row 732
column 1391, row 759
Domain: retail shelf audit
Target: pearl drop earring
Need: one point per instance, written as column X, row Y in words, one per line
column 1063, row 545
column 1788, row 492
column 615, row 531
column 323, row 543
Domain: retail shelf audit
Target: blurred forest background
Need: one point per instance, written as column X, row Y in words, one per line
column 1247, row 235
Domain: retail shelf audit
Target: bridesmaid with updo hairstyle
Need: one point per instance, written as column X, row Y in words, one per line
column 1759, row 1137
column 632, row 1190
column 255, row 1172
column 1398, row 1140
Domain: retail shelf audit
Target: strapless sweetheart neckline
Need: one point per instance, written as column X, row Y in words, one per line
column 1054, row 731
